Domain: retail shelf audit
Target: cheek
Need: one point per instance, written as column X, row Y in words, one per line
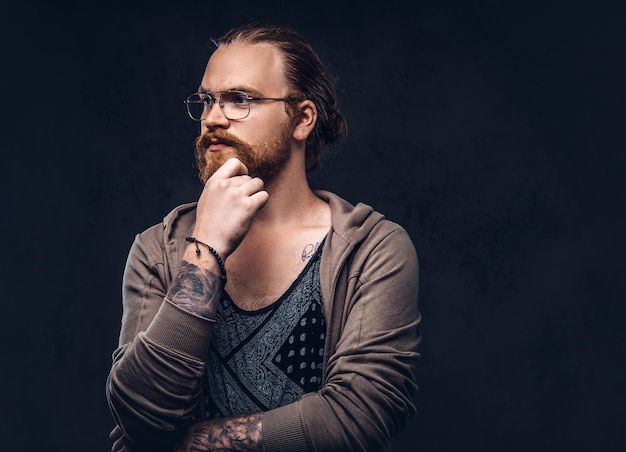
column 260, row 135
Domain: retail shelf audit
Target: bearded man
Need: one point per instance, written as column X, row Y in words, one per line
column 266, row 315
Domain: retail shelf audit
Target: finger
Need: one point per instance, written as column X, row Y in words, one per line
column 118, row 445
column 121, row 445
column 238, row 181
column 232, row 167
column 259, row 198
column 115, row 433
column 253, row 185
column 119, row 441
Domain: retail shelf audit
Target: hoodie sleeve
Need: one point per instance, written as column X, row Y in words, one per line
column 367, row 395
column 155, row 380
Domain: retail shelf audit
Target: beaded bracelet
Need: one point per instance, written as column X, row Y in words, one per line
column 212, row 250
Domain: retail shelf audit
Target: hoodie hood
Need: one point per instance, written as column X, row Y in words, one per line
column 350, row 225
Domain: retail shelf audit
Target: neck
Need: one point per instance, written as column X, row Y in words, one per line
column 292, row 203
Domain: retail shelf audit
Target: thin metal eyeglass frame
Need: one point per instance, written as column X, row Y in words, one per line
column 218, row 100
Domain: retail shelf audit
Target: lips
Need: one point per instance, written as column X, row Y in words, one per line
column 216, row 144
column 217, row 141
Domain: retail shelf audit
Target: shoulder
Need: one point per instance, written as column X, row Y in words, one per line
column 153, row 241
column 181, row 213
column 180, row 218
column 358, row 223
column 364, row 238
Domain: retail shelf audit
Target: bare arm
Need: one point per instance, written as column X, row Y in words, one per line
column 238, row 433
column 155, row 382
column 196, row 289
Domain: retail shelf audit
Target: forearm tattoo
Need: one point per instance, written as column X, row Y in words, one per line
column 196, row 290
column 240, row 433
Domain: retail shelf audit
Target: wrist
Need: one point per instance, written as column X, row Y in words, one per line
column 202, row 250
column 222, row 247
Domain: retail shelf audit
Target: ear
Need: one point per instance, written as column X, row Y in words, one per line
column 305, row 120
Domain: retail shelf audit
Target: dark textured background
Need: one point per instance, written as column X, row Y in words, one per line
column 493, row 131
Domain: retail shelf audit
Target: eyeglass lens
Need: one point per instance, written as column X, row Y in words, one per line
column 234, row 105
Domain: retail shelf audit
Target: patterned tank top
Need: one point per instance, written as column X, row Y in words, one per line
column 260, row 360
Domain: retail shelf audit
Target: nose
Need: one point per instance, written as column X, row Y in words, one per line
column 214, row 116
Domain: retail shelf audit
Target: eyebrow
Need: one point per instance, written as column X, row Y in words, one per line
column 249, row 91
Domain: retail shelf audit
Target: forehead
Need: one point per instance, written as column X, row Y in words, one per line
column 252, row 67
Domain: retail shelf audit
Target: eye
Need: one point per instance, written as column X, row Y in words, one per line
column 206, row 98
column 238, row 98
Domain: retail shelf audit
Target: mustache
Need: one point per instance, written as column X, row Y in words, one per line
column 208, row 137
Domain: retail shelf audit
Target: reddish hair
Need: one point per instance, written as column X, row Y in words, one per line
column 308, row 77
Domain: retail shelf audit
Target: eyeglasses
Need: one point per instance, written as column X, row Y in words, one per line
column 235, row 105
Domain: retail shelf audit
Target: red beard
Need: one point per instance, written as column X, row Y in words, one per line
column 264, row 161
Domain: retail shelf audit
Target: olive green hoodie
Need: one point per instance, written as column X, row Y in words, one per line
column 369, row 283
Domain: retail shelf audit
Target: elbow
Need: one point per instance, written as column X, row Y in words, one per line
column 145, row 426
